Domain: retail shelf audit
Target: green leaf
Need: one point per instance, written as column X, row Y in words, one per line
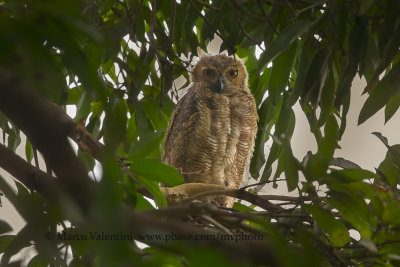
column 115, row 124
column 153, row 110
column 11, row 245
column 146, row 145
column 280, row 73
column 266, row 113
column 391, row 107
column 389, row 168
column 143, row 124
column 154, row 189
column 315, row 166
column 344, row 163
column 353, row 209
column 14, row 138
column 357, row 48
column 157, row 171
column 241, row 207
column 283, row 41
column 38, row 261
column 327, row 99
column 382, row 138
column 142, row 203
column 388, row 38
column 371, row 58
column 336, row 230
column 300, row 77
column 328, row 144
column 74, row 95
column 87, row 159
column 365, row 5
column 381, row 93
column 367, row 243
column 266, row 174
column 290, row 166
column 4, row 228
column 83, row 106
column 358, row 174
column 5, row 240
column 28, row 151
column 316, row 76
column 391, row 174
column 391, row 213
column 351, row 175
column 259, row 85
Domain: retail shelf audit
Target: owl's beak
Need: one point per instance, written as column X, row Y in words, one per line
column 220, row 84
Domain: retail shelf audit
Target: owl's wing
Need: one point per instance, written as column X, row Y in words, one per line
column 182, row 118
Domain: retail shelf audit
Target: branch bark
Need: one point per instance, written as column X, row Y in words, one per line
column 31, row 177
column 140, row 223
column 47, row 128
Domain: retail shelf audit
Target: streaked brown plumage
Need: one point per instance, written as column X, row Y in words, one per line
column 210, row 136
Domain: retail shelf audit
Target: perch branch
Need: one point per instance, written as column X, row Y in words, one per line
column 141, row 222
column 190, row 191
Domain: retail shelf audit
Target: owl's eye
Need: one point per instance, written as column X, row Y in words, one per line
column 208, row 72
column 233, row 73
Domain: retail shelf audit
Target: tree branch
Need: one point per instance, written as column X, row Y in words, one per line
column 232, row 47
column 31, row 177
column 143, row 222
column 241, row 26
column 267, row 18
column 188, row 192
column 47, row 128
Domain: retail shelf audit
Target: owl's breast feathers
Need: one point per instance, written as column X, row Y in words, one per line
column 210, row 137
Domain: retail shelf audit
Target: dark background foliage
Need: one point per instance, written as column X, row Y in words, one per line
column 116, row 62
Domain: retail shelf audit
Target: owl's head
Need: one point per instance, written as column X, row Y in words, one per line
column 219, row 73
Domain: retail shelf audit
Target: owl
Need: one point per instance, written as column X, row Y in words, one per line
column 210, row 136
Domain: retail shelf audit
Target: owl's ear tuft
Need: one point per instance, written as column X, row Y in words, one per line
column 244, row 60
column 200, row 52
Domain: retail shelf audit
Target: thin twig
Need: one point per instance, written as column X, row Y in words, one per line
column 136, row 17
column 212, row 27
column 216, row 224
column 285, row 198
column 260, row 183
column 241, row 26
column 216, row 9
column 245, row 12
column 292, row 13
column 127, row 12
column 267, row 18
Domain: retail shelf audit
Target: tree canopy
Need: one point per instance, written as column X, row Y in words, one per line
column 116, row 61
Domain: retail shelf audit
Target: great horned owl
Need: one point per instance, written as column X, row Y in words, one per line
column 210, row 135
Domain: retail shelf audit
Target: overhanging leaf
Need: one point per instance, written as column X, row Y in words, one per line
column 290, row 166
column 266, row 114
column 336, row 230
column 280, row 73
column 283, row 41
column 391, row 107
column 381, row 93
column 344, row 163
column 157, row 171
column 4, row 227
column 353, row 210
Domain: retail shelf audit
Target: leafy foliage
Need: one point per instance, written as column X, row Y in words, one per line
column 116, row 62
